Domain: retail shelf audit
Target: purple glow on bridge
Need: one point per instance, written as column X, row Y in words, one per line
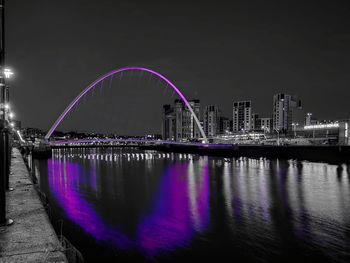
column 101, row 79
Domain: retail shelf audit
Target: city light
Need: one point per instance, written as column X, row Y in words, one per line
column 20, row 136
column 245, row 136
column 8, row 73
column 7, row 106
column 11, row 115
column 12, row 124
column 321, row 126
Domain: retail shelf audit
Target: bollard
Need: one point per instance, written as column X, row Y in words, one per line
column 30, row 161
column 32, row 164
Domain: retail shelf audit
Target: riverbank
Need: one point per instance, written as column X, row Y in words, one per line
column 317, row 153
column 331, row 154
column 31, row 238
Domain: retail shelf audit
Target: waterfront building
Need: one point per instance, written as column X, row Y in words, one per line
column 211, row 120
column 261, row 124
column 255, row 122
column 225, row 125
column 266, row 124
column 178, row 122
column 344, row 132
column 31, row 133
column 169, row 123
column 242, row 116
column 328, row 132
column 186, row 127
column 285, row 109
column 310, row 120
column 231, row 125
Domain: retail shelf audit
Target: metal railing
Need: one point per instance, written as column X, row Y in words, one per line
column 5, row 163
column 72, row 254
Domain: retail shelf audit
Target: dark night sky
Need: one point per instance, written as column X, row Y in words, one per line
column 216, row 51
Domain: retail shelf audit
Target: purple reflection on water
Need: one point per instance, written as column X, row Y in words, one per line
column 171, row 224
column 173, row 221
column 93, row 177
column 203, row 200
column 64, row 180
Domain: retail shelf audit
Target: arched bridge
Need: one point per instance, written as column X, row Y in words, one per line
column 119, row 71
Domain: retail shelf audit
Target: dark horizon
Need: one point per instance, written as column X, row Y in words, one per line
column 215, row 53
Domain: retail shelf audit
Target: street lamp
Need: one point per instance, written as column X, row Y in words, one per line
column 8, row 73
column 293, row 124
column 5, row 154
column 278, row 136
column 294, row 128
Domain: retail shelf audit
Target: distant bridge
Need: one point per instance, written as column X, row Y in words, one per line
column 119, row 71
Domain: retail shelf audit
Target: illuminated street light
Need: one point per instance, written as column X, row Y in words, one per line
column 20, row 136
column 278, row 136
column 8, row 73
column 11, row 115
column 294, row 128
column 12, row 124
column 7, row 106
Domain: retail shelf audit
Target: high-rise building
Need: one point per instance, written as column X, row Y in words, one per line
column 242, row 116
column 185, row 125
column 224, row 125
column 285, row 109
column 255, row 122
column 266, row 124
column 211, row 121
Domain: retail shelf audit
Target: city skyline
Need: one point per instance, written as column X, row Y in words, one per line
column 304, row 55
column 257, row 121
column 253, row 116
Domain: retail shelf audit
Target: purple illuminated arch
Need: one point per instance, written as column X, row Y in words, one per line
column 102, row 78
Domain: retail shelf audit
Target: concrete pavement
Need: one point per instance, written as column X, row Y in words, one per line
column 31, row 238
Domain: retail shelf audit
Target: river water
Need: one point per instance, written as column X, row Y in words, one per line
column 132, row 205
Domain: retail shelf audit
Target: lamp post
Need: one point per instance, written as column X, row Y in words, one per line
column 2, row 58
column 5, row 156
column 7, row 110
column 294, row 126
column 3, row 219
column 278, row 136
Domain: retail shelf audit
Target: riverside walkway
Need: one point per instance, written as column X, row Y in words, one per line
column 31, row 238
